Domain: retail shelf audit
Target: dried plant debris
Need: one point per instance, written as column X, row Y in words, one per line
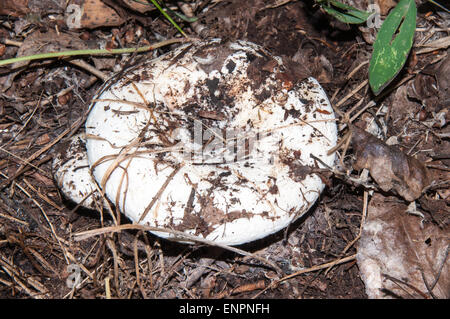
column 47, row 100
column 438, row 209
column 399, row 256
column 392, row 169
column 43, row 42
column 48, row 41
column 14, row 8
column 428, row 91
column 443, row 80
column 138, row 6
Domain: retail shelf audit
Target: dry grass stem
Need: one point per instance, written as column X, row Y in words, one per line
column 177, row 236
column 307, row 270
column 363, row 219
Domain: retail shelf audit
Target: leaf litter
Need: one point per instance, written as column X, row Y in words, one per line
column 318, row 249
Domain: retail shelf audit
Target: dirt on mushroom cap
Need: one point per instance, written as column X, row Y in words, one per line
column 204, row 140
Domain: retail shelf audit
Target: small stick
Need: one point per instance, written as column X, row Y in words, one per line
column 63, row 249
column 431, row 287
column 350, row 75
column 311, row 269
column 344, row 176
column 42, row 196
column 136, row 266
column 349, row 95
column 399, row 283
column 363, row 218
column 112, row 247
column 84, row 65
column 244, row 288
column 22, row 168
column 318, row 267
column 161, row 190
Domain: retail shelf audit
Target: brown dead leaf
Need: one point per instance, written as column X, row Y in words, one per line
column 389, row 166
column 39, row 42
column 43, row 139
column 402, row 107
column 42, row 179
column 443, row 80
column 396, row 253
column 15, row 8
column 50, row 41
column 137, row 6
column 91, row 14
column 423, row 88
column 2, row 49
column 438, row 209
column 431, row 87
column 386, row 5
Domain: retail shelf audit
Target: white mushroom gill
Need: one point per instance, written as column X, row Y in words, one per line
column 211, row 139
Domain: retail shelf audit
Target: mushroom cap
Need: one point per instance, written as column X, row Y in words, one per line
column 71, row 172
column 212, row 139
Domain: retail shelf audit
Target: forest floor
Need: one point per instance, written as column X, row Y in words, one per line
column 42, row 102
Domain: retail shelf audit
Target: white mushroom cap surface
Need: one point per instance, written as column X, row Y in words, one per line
column 71, row 172
column 212, row 139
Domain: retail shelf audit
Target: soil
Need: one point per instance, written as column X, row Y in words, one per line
column 44, row 102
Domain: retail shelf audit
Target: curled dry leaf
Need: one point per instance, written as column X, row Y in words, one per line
column 389, row 166
column 399, row 256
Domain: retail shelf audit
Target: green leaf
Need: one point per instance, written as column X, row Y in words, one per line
column 392, row 45
column 345, row 13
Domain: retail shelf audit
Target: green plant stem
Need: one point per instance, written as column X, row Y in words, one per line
column 156, row 4
column 65, row 54
column 440, row 6
column 179, row 15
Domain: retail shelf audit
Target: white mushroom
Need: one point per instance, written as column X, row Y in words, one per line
column 71, row 172
column 212, row 139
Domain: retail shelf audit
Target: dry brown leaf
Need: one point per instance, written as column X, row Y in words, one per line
column 443, row 80
column 49, row 41
column 137, row 6
column 15, row 8
column 389, row 166
column 38, row 42
column 438, row 209
column 395, row 249
column 91, row 14
column 386, row 5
